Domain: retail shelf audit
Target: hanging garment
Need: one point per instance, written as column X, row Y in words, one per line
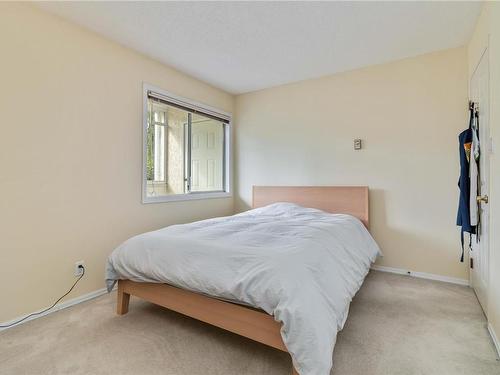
column 474, row 172
column 463, row 215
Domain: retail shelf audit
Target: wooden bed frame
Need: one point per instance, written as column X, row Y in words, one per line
column 245, row 321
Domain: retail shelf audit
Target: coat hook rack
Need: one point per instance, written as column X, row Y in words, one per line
column 474, row 106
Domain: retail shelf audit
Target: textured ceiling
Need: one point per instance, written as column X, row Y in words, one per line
column 246, row 46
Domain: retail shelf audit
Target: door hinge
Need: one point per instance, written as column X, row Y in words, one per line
column 471, row 263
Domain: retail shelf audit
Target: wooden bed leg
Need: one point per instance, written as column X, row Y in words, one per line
column 122, row 300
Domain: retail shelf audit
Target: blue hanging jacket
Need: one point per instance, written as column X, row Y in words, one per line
column 463, row 215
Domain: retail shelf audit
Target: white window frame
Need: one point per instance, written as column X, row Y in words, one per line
column 227, row 148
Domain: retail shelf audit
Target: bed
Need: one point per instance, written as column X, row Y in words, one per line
column 282, row 274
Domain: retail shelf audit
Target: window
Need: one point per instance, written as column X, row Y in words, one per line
column 186, row 149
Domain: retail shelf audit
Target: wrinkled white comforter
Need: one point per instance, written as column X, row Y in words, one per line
column 301, row 265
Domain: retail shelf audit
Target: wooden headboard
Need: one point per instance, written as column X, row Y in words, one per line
column 352, row 200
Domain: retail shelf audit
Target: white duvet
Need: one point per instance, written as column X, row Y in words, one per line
column 301, row 265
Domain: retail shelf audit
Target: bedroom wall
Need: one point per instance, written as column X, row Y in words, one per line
column 487, row 33
column 71, row 155
column 408, row 114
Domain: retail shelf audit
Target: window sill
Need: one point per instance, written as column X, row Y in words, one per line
column 186, row 197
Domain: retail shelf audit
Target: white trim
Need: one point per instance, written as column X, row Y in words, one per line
column 421, row 275
column 61, row 306
column 187, row 102
column 495, row 339
column 228, row 165
column 186, row 197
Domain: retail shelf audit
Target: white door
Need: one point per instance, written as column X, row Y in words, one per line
column 207, row 140
column 479, row 93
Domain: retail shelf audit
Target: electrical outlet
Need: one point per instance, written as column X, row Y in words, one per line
column 78, row 269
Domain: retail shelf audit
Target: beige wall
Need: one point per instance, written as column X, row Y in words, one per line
column 70, row 133
column 408, row 113
column 487, row 32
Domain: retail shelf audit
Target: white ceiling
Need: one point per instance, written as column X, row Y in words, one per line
column 246, row 46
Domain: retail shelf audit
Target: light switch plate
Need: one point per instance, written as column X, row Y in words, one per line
column 357, row 144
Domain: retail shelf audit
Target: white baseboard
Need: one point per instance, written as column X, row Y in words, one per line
column 61, row 306
column 495, row 339
column 421, row 275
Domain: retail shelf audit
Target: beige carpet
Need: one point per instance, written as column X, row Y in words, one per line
column 397, row 325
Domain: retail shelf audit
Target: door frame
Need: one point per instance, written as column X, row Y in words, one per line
column 484, row 247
